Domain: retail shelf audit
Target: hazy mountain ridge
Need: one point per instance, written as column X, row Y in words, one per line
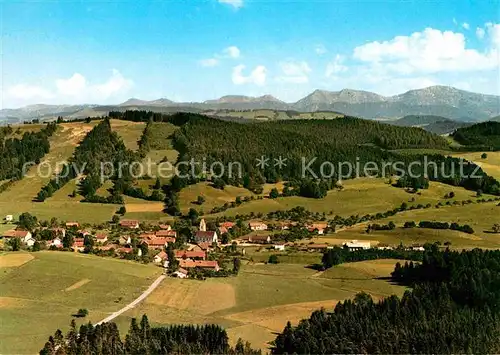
column 442, row 101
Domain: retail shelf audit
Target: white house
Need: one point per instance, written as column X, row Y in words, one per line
column 9, row 218
column 158, row 258
column 181, row 273
column 206, row 237
column 280, row 247
column 30, row 242
column 257, row 226
column 56, row 242
column 357, row 245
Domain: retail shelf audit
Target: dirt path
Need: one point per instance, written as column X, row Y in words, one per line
column 134, row 302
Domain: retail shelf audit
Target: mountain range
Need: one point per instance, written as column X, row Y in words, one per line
column 443, row 101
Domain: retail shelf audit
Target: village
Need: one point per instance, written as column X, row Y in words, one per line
column 132, row 240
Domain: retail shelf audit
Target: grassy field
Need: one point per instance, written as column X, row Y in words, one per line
column 129, row 131
column 480, row 217
column 19, row 197
column 262, row 298
column 40, row 292
column 491, row 165
column 359, row 197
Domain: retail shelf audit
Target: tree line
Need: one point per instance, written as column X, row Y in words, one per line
column 142, row 338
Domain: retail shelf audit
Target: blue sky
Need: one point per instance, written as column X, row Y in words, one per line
column 107, row 51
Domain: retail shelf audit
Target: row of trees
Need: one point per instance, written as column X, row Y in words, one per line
column 144, row 339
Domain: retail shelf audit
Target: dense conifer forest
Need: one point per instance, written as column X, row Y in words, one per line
column 481, row 136
column 144, row 339
column 452, row 308
column 307, row 144
column 15, row 152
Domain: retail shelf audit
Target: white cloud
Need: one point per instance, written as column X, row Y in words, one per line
column 335, row 67
column 429, row 51
column 232, row 52
column 235, row 3
column 75, row 89
column 466, row 26
column 320, row 49
column 74, row 86
column 494, row 34
column 480, row 32
column 257, row 76
column 210, row 62
column 294, row 72
column 28, row 92
column 455, row 21
column 115, row 84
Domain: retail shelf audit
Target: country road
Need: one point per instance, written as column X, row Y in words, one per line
column 135, row 302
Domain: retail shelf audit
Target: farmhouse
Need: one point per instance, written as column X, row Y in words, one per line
column 158, row 242
column 165, row 226
column 286, row 225
column 9, row 218
column 257, row 226
column 167, row 233
column 203, row 264
column 181, row 273
column 357, row 245
column 319, row 227
column 203, row 246
column 224, row 227
column 23, row 235
column 260, row 239
column 125, row 239
column 158, row 258
column 72, row 224
column 205, row 237
column 56, row 242
column 146, row 236
column 78, row 244
column 189, row 254
column 101, row 238
column 129, row 224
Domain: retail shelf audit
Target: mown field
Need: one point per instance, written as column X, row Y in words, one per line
column 40, row 291
column 359, row 196
column 262, row 298
column 491, row 164
column 480, row 216
column 18, row 198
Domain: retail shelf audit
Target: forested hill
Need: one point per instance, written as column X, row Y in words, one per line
column 317, row 146
column 485, row 136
